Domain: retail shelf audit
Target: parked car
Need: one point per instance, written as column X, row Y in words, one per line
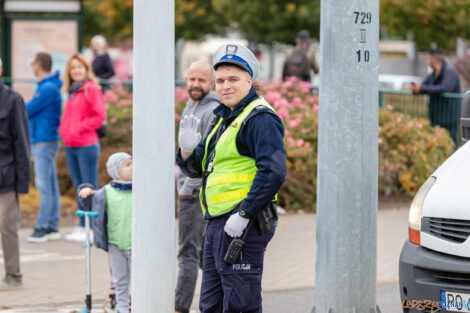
column 434, row 267
column 390, row 81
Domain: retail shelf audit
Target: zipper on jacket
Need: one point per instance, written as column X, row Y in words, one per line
column 204, row 179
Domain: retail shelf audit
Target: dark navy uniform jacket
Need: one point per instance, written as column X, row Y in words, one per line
column 261, row 137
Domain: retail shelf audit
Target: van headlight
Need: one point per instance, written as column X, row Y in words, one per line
column 416, row 211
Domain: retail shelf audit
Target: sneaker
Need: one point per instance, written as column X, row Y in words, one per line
column 11, row 283
column 53, row 234
column 79, row 235
column 39, row 235
column 77, row 232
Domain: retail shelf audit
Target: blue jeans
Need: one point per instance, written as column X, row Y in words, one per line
column 45, row 179
column 83, row 167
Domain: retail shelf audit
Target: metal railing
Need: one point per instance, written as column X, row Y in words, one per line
column 418, row 105
column 442, row 109
column 404, row 101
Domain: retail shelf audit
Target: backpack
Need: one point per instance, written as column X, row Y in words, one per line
column 297, row 65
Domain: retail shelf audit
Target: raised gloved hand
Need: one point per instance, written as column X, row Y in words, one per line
column 189, row 137
column 235, row 225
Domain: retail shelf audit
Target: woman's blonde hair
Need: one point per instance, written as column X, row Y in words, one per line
column 89, row 73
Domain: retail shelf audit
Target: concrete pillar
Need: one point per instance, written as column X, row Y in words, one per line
column 153, row 233
column 347, row 157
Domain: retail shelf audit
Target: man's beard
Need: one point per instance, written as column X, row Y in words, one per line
column 194, row 97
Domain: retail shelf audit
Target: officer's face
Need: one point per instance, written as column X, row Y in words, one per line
column 199, row 80
column 232, row 84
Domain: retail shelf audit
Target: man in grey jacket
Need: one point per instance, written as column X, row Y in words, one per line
column 199, row 82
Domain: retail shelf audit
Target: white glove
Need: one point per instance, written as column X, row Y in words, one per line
column 188, row 137
column 235, row 225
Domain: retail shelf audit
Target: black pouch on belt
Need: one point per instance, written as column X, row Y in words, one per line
column 273, row 211
column 262, row 221
column 264, row 218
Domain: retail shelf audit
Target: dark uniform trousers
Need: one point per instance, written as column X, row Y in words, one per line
column 232, row 288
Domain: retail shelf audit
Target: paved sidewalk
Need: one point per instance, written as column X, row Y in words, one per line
column 54, row 272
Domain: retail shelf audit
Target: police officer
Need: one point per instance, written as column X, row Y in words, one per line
column 243, row 164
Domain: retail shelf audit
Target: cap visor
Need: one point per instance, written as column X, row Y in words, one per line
column 234, row 62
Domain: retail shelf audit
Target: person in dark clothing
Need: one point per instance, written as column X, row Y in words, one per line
column 102, row 65
column 242, row 161
column 300, row 61
column 15, row 175
column 444, row 112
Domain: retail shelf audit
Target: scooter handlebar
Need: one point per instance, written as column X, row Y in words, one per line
column 87, row 213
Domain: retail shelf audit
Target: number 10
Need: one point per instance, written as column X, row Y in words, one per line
column 365, row 53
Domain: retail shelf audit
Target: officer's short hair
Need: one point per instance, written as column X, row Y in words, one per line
column 44, row 60
column 1, row 63
column 437, row 54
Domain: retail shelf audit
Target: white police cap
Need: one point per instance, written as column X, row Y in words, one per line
column 238, row 55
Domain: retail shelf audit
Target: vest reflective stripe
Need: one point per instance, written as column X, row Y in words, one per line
column 233, row 174
column 230, row 178
column 229, row 196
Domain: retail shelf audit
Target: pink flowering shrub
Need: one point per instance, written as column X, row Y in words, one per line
column 118, row 95
column 298, row 109
column 119, row 102
column 119, row 116
column 409, row 150
column 181, row 97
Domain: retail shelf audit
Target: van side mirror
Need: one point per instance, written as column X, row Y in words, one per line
column 465, row 117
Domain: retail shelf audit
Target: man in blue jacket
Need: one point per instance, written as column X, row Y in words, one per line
column 242, row 162
column 44, row 111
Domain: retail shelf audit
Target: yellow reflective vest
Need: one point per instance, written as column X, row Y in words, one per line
column 231, row 174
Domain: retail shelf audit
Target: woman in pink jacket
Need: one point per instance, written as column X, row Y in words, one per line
column 85, row 112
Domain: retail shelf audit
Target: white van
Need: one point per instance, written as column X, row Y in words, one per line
column 398, row 82
column 434, row 265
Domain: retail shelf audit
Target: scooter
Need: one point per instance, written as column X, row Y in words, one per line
column 88, row 215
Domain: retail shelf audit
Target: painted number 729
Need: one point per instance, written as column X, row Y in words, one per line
column 362, row 17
